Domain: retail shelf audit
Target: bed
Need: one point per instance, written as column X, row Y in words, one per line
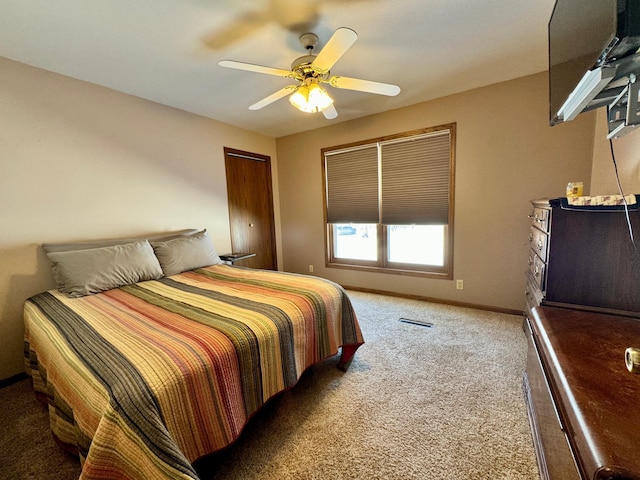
column 145, row 378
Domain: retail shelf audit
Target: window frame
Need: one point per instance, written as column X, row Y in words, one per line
column 382, row 264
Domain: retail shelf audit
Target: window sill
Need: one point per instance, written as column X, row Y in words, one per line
column 440, row 275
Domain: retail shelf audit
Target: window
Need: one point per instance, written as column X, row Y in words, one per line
column 389, row 203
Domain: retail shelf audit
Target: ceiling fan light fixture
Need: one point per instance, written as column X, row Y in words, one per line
column 310, row 98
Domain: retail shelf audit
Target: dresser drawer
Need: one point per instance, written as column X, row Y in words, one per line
column 538, row 241
column 540, row 218
column 553, row 449
column 532, row 292
column 537, row 269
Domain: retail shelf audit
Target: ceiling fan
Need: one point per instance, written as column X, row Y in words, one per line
column 312, row 70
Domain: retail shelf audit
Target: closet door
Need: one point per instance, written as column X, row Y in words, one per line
column 250, row 199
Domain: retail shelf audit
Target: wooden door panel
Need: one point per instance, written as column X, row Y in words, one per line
column 250, row 200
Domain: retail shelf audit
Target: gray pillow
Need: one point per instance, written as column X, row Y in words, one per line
column 186, row 253
column 93, row 270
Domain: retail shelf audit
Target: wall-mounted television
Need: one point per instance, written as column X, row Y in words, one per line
column 593, row 53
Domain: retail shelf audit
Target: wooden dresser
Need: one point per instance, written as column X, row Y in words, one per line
column 582, row 312
column 583, row 259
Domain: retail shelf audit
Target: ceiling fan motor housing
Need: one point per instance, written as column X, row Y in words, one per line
column 303, row 67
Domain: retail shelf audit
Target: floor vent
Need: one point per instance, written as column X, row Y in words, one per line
column 416, row 322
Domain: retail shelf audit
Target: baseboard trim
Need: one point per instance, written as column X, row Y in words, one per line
column 487, row 308
column 11, row 380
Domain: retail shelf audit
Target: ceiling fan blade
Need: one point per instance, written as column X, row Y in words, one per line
column 364, row 86
column 330, row 112
column 283, row 92
column 338, row 44
column 250, row 67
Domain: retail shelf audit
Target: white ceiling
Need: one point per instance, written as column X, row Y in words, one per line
column 156, row 49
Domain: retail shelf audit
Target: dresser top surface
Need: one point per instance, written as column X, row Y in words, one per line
column 541, row 202
column 584, row 355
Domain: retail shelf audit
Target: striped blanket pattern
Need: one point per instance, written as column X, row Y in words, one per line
column 147, row 378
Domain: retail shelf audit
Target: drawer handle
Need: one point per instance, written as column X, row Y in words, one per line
column 536, row 271
column 539, row 244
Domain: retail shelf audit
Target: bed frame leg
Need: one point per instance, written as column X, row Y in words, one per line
column 348, row 351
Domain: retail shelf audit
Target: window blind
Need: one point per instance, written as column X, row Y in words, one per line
column 415, row 180
column 352, row 185
column 404, row 181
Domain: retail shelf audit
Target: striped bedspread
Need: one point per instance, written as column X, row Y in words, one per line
column 147, row 378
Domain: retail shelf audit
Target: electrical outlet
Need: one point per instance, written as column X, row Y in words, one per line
column 310, row 268
column 459, row 284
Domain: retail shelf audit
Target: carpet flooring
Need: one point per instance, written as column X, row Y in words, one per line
column 440, row 402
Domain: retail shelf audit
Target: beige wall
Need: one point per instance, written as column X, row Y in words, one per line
column 627, row 153
column 78, row 161
column 506, row 155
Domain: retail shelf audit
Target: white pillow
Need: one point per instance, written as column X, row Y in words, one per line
column 186, row 253
column 93, row 270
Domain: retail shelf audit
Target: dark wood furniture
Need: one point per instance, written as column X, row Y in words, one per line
column 583, row 259
column 583, row 310
column 583, row 402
